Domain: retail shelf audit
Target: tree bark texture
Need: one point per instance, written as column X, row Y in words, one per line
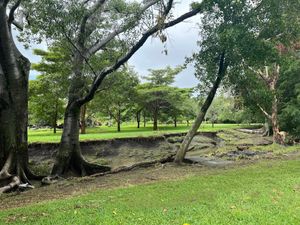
column 83, row 119
column 201, row 115
column 14, row 73
column 277, row 137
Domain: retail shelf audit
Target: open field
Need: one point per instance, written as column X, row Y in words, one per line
column 267, row 192
column 127, row 131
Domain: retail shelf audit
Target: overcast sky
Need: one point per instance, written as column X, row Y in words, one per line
column 181, row 43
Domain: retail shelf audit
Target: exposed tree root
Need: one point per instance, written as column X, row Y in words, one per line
column 14, row 183
column 91, row 168
column 169, row 158
column 75, row 165
column 252, row 131
column 51, row 180
column 16, row 176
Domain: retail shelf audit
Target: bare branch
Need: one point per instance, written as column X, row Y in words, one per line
column 264, row 112
column 101, row 43
column 11, row 15
column 169, row 7
column 261, row 74
column 17, row 25
column 130, row 53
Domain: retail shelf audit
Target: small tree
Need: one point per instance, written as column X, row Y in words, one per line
column 117, row 94
column 156, row 95
column 179, row 104
column 49, row 91
column 45, row 107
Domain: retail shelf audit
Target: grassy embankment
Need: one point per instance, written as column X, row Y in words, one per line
column 264, row 193
column 127, row 131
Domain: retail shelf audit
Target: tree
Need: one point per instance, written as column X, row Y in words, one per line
column 289, row 96
column 90, row 27
column 156, row 94
column 48, row 92
column 201, row 115
column 116, row 96
column 179, row 104
column 45, row 104
column 225, row 109
column 14, row 72
column 228, row 30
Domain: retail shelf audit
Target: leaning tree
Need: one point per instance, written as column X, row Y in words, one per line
column 238, row 35
column 14, row 72
column 90, row 27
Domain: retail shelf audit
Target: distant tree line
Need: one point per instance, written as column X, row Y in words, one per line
column 121, row 97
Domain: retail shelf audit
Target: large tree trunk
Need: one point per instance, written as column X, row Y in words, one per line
column 275, row 126
column 14, row 72
column 201, row 115
column 69, row 157
column 271, row 79
column 277, row 137
column 83, row 119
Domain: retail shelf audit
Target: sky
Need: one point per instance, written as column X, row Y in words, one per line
column 181, row 42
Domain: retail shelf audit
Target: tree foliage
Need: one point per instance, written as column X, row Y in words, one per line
column 116, row 95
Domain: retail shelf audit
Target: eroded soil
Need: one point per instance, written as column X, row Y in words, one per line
column 209, row 147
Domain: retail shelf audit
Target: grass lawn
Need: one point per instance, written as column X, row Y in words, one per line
column 127, row 131
column 264, row 193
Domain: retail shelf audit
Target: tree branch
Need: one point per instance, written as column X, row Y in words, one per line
column 262, row 75
column 11, row 15
column 130, row 53
column 264, row 112
column 78, row 50
column 17, row 25
column 101, row 43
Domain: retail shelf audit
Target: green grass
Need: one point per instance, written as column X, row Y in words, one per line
column 127, row 131
column 277, row 149
column 264, row 193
